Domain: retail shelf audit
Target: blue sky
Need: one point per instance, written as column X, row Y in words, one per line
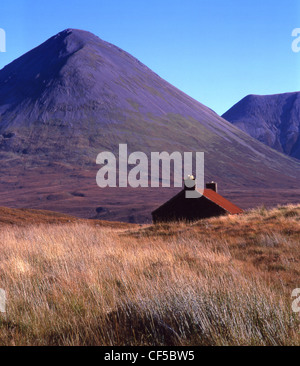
column 214, row 50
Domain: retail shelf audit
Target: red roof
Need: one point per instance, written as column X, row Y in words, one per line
column 211, row 196
column 221, row 201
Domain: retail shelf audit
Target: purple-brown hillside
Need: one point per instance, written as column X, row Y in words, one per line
column 272, row 119
column 75, row 95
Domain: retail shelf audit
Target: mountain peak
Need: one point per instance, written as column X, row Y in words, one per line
column 271, row 119
column 70, row 41
column 75, row 38
column 60, row 46
column 73, row 64
column 74, row 32
column 31, row 73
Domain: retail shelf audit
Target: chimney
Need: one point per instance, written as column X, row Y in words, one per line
column 190, row 183
column 213, row 186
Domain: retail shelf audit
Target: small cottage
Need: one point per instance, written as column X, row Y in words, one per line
column 180, row 207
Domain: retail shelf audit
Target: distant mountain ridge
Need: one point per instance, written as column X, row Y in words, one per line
column 272, row 119
column 76, row 95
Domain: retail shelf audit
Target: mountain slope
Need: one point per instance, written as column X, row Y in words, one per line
column 75, row 95
column 272, row 119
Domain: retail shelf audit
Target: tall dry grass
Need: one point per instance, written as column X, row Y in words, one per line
column 174, row 284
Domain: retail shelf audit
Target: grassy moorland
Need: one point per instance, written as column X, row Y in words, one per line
column 223, row 281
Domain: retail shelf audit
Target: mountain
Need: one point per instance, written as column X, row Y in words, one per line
column 272, row 119
column 74, row 96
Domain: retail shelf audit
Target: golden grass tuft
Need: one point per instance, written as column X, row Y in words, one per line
column 223, row 281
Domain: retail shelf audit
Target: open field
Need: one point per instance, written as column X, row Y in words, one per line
column 29, row 217
column 75, row 192
column 222, row 281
